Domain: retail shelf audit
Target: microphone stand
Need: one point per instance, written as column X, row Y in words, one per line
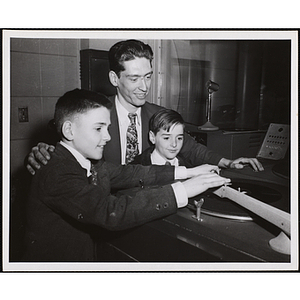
column 208, row 126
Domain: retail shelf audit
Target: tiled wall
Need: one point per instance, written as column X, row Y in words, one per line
column 41, row 71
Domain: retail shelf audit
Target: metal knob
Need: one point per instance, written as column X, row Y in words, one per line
column 198, row 205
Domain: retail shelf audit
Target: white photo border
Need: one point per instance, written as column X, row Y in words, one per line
column 149, row 34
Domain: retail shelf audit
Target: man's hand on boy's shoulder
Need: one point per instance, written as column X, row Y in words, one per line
column 39, row 154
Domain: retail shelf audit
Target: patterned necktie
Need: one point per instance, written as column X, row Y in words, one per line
column 93, row 177
column 132, row 140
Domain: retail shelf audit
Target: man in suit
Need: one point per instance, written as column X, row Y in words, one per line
column 70, row 198
column 131, row 73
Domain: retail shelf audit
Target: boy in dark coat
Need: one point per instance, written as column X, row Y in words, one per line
column 166, row 133
column 70, row 197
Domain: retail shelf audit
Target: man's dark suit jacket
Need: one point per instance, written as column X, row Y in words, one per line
column 193, row 152
column 64, row 210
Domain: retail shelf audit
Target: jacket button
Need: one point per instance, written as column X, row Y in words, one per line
column 80, row 216
column 141, row 181
column 166, row 205
column 158, row 206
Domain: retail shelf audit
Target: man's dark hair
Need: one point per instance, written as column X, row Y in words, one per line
column 165, row 119
column 77, row 102
column 126, row 51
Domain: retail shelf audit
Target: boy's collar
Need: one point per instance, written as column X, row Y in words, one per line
column 84, row 162
column 157, row 159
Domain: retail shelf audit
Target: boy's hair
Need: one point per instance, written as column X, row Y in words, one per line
column 125, row 51
column 165, row 119
column 77, row 102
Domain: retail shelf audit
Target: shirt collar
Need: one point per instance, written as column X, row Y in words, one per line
column 157, row 159
column 123, row 112
column 84, row 162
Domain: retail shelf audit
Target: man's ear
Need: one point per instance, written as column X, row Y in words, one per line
column 67, row 130
column 113, row 77
column 152, row 137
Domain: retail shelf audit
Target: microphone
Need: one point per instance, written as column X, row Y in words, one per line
column 212, row 86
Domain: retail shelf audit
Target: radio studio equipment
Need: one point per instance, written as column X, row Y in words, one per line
column 211, row 88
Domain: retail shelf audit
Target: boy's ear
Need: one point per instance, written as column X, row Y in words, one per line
column 152, row 137
column 67, row 130
column 113, row 77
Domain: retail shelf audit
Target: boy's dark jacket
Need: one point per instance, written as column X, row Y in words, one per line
column 64, row 210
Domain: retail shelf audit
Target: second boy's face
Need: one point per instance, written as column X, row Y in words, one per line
column 91, row 132
column 168, row 143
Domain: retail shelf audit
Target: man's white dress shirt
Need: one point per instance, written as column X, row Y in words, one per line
column 124, row 122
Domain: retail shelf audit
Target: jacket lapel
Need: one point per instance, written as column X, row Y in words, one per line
column 112, row 151
column 145, row 116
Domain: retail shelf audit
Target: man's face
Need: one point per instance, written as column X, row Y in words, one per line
column 134, row 82
column 168, row 143
column 91, row 132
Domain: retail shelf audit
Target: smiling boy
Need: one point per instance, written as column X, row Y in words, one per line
column 70, row 198
column 166, row 133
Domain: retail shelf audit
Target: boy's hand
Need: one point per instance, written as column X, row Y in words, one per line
column 39, row 154
column 199, row 184
column 203, row 169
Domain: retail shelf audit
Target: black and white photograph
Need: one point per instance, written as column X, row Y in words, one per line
column 150, row 150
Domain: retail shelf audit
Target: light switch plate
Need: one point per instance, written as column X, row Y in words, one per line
column 23, row 114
